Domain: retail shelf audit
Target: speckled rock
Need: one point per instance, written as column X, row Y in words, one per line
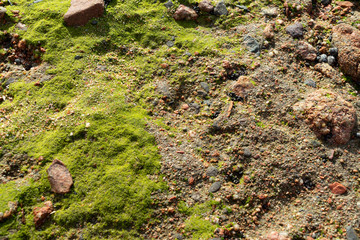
column 41, row 214
column 242, row 87
column 185, row 13
column 59, row 177
column 347, row 39
column 206, row 6
column 328, row 115
column 269, row 31
column 296, row 30
column 81, row 11
column 306, row 51
column 2, row 12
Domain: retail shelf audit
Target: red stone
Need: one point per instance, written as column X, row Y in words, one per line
column 185, row 13
column 337, row 188
column 41, row 214
column 81, row 11
column 59, row 177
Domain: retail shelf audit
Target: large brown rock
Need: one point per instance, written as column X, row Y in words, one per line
column 81, row 11
column 185, row 13
column 59, row 177
column 41, row 214
column 347, row 39
column 328, row 115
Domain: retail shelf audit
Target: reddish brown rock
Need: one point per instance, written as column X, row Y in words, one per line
column 41, row 214
column 325, row 69
column 328, row 115
column 306, row 51
column 206, row 6
column 337, row 188
column 345, row 4
column 185, row 13
column 242, row 87
column 59, row 177
column 347, row 39
column 81, row 11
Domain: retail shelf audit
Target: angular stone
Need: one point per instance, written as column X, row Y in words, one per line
column 212, row 172
column 206, row 6
column 185, row 13
column 328, row 115
column 41, row 214
column 81, row 11
column 351, row 234
column 59, row 177
column 345, row 4
column 269, row 31
column 347, row 39
column 242, row 87
column 220, row 9
column 337, row 188
column 306, row 51
column 296, row 30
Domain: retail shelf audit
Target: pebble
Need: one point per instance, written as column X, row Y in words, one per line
column 333, row 52
column 220, row 9
column 310, row 83
column 168, row 4
column 270, row 12
column 205, row 86
column 178, row 236
column 252, row 44
column 331, row 60
column 295, row 30
column 215, row 187
column 323, row 58
column 358, row 134
column 94, row 22
column 351, row 234
column 212, row 172
column 247, row 152
column 170, row 43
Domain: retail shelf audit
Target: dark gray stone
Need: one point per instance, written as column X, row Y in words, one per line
column 351, row 234
column 170, row 43
column 325, row 2
column 310, row 83
column 205, row 86
column 212, row 172
column 169, row 4
column 296, row 30
column 220, row 9
column 178, row 236
column 252, row 44
column 215, row 187
column 333, row 52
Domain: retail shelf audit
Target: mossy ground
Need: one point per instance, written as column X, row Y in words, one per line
column 93, row 119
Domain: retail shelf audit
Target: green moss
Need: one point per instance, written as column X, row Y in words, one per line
column 199, row 228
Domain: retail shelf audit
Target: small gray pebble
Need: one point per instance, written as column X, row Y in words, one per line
column 323, row 58
column 169, row 4
column 331, row 60
column 170, row 43
column 212, row 172
column 215, row 187
column 310, row 83
column 247, row 152
column 205, row 86
column 220, row 9
column 358, row 134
